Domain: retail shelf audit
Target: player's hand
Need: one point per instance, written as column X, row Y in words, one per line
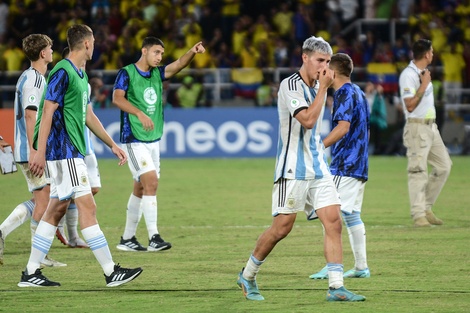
column 198, row 48
column 147, row 123
column 326, row 77
column 120, row 154
column 425, row 76
column 37, row 164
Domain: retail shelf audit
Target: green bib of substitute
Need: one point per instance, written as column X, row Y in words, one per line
column 74, row 107
column 145, row 93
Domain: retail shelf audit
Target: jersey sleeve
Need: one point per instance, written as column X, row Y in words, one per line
column 344, row 105
column 292, row 94
column 57, row 86
column 122, row 80
column 161, row 69
column 32, row 93
column 407, row 84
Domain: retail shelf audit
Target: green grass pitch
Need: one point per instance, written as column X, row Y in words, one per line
column 213, row 210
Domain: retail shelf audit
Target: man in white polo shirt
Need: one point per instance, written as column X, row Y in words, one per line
column 421, row 137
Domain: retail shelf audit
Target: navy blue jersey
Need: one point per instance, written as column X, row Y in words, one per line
column 350, row 154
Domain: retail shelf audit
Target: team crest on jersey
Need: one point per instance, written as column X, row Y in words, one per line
column 143, row 163
column 291, row 202
column 84, row 179
column 150, row 95
column 32, row 99
column 294, row 103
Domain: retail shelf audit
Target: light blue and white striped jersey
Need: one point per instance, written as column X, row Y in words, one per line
column 300, row 151
column 29, row 92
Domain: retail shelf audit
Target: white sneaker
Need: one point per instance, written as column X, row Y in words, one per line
column 48, row 262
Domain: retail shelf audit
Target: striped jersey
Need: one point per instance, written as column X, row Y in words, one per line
column 350, row 154
column 300, row 151
column 29, row 91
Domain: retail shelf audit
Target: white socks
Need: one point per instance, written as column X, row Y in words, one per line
column 95, row 239
column 335, row 275
column 42, row 241
column 71, row 219
column 149, row 208
column 357, row 238
column 252, row 268
column 17, row 217
column 134, row 213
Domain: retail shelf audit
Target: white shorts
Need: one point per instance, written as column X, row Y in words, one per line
column 93, row 171
column 291, row 196
column 34, row 182
column 351, row 191
column 142, row 158
column 69, row 179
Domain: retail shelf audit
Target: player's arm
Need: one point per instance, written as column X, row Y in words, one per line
column 38, row 161
column 30, row 118
column 337, row 133
column 176, row 66
column 96, row 127
column 309, row 117
column 31, row 97
column 413, row 101
column 120, row 100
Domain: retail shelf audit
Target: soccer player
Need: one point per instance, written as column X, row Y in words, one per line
column 59, row 139
column 138, row 93
column 71, row 216
column 302, row 180
column 421, row 137
column 28, row 96
column 349, row 140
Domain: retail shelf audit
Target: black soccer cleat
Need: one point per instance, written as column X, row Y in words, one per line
column 121, row 275
column 158, row 244
column 36, row 280
column 130, row 245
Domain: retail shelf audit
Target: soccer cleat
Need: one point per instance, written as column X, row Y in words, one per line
column 158, row 244
column 2, row 247
column 433, row 219
column 36, row 280
column 322, row 274
column 48, row 262
column 77, row 243
column 365, row 273
column 130, row 245
column 249, row 288
column 342, row 294
column 60, row 234
column 121, row 275
column 421, row 222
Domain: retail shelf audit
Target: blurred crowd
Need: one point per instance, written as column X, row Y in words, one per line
column 246, row 33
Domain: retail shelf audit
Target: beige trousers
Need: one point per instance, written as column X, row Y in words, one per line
column 424, row 145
